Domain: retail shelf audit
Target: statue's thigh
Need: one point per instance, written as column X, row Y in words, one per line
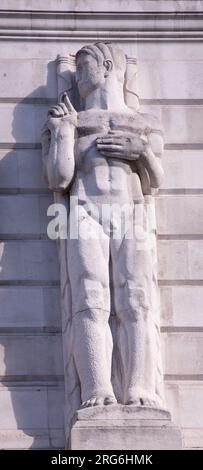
column 132, row 276
column 130, row 261
column 88, row 266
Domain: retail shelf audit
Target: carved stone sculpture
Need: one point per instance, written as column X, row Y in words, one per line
column 107, row 154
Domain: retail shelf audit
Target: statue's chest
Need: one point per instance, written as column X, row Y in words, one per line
column 94, row 123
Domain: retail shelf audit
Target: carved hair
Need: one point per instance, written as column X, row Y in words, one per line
column 102, row 51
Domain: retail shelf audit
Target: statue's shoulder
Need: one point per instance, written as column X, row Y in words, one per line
column 133, row 120
column 143, row 122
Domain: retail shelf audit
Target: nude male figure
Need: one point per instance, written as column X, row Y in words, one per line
column 98, row 155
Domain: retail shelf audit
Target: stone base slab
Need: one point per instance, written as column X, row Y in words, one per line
column 120, row 427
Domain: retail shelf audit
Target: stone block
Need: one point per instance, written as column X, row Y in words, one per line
column 175, row 122
column 191, row 405
column 179, row 215
column 171, row 79
column 24, row 214
column 29, row 261
column 165, row 50
column 22, row 122
column 180, row 259
column 124, row 428
column 178, row 313
column 56, row 401
column 30, row 307
column 30, row 355
column 173, row 259
column 56, row 438
column 24, row 439
column 182, row 169
column 40, row 49
column 193, row 438
column 182, row 353
column 40, row 78
column 21, row 169
column 23, row 408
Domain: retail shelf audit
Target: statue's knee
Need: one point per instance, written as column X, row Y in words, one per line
column 91, row 316
column 135, row 303
column 91, row 295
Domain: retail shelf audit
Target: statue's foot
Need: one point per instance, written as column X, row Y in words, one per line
column 139, row 398
column 142, row 401
column 99, row 401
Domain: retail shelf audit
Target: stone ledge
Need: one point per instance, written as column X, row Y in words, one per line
column 80, row 24
column 118, row 5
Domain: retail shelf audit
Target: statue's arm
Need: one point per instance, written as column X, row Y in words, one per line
column 150, row 158
column 58, row 138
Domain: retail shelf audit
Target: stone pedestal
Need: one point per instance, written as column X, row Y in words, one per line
column 124, row 428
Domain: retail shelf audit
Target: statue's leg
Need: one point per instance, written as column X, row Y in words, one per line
column 88, row 266
column 137, row 336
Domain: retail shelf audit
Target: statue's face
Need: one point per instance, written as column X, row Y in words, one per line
column 89, row 75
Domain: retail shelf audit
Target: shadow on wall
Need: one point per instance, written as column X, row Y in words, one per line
column 31, row 402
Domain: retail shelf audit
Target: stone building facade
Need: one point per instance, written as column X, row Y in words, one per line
column 166, row 39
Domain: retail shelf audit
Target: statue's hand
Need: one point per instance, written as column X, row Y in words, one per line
column 61, row 114
column 120, row 144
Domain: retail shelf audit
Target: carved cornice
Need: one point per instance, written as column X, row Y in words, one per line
column 122, row 26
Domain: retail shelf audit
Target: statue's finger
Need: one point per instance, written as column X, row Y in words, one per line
column 107, row 147
column 109, row 140
column 63, row 108
column 55, row 112
column 111, row 154
column 65, row 99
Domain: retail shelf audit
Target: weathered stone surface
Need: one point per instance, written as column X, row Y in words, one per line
column 177, row 313
column 24, row 260
column 61, row 5
column 180, row 259
column 30, row 307
column 16, row 127
column 180, row 349
column 173, row 80
column 183, row 170
column 21, row 169
column 40, row 79
column 31, row 355
column 171, row 215
column 122, row 427
column 33, row 218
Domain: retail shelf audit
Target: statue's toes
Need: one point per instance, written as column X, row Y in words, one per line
column 99, row 401
column 148, row 402
column 133, row 401
column 109, row 400
column 83, row 404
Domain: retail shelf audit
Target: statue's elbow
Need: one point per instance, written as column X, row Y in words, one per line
column 60, row 188
column 157, row 179
column 58, row 183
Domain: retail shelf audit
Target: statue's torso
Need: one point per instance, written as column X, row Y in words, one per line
column 102, row 177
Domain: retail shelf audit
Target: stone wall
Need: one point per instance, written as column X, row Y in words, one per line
column 165, row 37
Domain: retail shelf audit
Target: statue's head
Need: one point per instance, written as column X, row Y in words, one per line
column 94, row 63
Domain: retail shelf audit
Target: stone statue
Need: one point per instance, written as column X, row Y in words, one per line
column 108, row 154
